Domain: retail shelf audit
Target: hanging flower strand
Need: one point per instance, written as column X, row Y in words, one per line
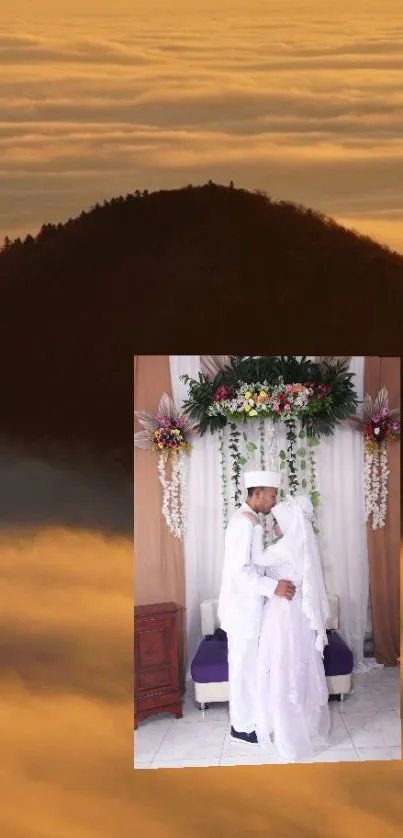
column 266, row 522
column 368, row 496
column 166, row 487
column 307, row 466
column 314, row 492
column 302, row 454
column 236, row 463
column 175, row 515
column 169, row 434
column 271, row 445
column 384, row 479
column 262, row 441
column 380, row 426
column 224, row 478
column 291, row 436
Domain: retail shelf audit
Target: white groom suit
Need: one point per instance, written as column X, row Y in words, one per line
column 240, row 610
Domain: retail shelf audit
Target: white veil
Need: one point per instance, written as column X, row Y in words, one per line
column 295, row 518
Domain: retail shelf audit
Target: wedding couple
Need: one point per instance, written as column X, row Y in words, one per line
column 274, row 608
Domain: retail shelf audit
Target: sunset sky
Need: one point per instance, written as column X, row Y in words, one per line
column 301, row 99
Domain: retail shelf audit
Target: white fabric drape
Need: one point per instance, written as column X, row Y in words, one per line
column 341, row 521
column 342, row 530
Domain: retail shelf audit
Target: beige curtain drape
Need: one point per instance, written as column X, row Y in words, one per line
column 159, row 558
column 384, row 544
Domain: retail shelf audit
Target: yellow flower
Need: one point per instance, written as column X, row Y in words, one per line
column 248, row 395
column 253, row 413
column 263, row 395
column 246, row 407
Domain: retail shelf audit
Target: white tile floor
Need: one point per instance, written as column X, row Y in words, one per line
column 365, row 727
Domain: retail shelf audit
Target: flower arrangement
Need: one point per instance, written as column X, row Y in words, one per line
column 279, row 401
column 380, row 429
column 169, row 434
column 168, row 437
column 320, row 394
column 380, row 426
column 312, row 397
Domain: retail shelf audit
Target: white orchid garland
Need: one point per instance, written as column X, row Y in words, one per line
column 368, row 494
column 166, row 487
column 375, row 490
column 376, row 474
column 174, row 494
column 384, row 475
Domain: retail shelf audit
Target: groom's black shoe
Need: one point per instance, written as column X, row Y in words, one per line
column 251, row 738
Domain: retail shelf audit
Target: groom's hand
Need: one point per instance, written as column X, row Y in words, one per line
column 285, row 589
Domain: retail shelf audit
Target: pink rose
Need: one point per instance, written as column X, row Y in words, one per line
column 287, row 407
column 276, row 407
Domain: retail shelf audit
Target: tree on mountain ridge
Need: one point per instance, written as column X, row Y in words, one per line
column 193, row 262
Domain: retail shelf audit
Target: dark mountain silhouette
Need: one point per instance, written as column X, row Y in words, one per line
column 165, row 272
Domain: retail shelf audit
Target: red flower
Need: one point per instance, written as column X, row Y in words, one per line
column 222, row 393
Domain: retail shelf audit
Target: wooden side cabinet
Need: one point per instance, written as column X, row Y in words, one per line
column 156, row 665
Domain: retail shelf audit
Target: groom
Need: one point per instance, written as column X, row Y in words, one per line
column 241, row 599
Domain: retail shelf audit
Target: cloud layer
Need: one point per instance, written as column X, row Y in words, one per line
column 302, row 105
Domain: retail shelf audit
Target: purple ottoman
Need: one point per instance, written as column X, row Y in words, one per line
column 339, row 663
column 210, row 663
column 210, row 667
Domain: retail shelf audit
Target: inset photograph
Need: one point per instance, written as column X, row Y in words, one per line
column 267, row 551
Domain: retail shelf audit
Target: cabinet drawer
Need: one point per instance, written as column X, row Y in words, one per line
column 154, row 679
column 159, row 702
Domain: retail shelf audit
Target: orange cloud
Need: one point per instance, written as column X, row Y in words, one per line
column 297, row 103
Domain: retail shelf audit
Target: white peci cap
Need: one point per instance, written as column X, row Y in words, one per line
column 255, row 479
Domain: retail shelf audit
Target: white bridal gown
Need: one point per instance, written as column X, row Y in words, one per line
column 292, row 696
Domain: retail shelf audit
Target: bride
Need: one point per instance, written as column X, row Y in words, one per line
column 292, row 696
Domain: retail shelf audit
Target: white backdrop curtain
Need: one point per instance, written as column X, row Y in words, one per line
column 341, row 521
column 342, row 531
